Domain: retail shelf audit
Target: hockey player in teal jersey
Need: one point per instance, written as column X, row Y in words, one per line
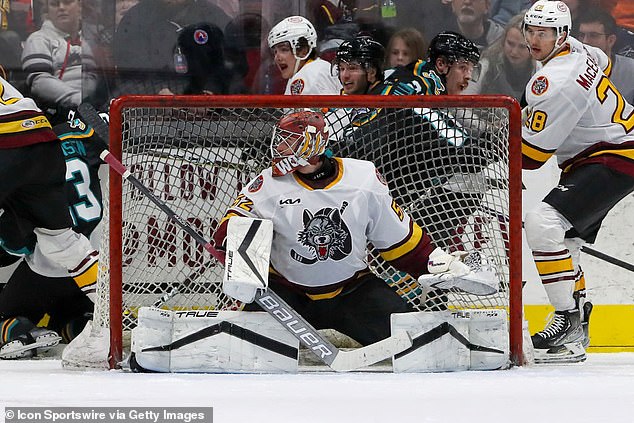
column 452, row 60
column 40, row 292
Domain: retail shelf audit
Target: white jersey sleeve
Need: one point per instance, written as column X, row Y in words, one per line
column 314, row 78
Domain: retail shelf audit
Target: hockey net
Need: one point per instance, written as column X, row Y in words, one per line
column 453, row 163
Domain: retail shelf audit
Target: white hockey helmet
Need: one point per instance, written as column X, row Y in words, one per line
column 292, row 29
column 550, row 14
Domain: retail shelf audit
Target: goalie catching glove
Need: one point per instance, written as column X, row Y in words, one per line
column 248, row 245
column 468, row 272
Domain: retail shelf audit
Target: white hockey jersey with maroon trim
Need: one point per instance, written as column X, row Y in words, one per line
column 22, row 123
column 320, row 235
column 575, row 111
column 314, row 78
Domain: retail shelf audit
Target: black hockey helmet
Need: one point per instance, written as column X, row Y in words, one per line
column 363, row 50
column 453, row 46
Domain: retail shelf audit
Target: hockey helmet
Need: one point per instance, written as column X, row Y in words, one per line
column 453, row 47
column 550, row 14
column 363, row 50
column 293, row 29
column 298, row 138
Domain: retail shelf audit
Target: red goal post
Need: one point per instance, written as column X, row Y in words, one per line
column 196, row 152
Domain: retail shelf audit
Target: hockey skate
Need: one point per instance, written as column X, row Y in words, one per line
column 28, row 344
column 562, row 340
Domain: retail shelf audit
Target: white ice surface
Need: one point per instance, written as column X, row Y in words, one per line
column 599, row 390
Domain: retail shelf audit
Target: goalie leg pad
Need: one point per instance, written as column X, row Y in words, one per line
column 205, row 341
column 89, row 349
column 248, row 251
column 453, row 341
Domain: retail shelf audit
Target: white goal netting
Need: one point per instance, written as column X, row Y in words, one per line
column 448, row 164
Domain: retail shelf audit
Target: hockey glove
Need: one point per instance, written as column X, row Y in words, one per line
column 247, row 259
column 468, row 272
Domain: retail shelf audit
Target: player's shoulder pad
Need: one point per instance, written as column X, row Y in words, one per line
column 264, row 186
column 545, row 85
column 364, row 174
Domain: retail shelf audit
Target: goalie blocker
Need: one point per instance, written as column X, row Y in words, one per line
column 248, row 249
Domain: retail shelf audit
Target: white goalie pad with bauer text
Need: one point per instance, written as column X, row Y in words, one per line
column 453, row 340
column 248, row 246
column 207, row 341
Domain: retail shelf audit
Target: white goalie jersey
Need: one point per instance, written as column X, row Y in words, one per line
column 576, row 111
column 320, row 235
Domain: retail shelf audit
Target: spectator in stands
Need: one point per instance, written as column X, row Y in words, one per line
column 10, row 53
column 597, row 28
column 293, row 43
column 155, row 64
column 322, row 14
column 471, row 19
column 263, row 76
column 623, row 13
column 624, row 37
column 429, row 20
column 53, row 58
column 17, row 17
column 201, row 45
column 121, row 8
column 503, row 10
column 507, row 64
column 406, row 46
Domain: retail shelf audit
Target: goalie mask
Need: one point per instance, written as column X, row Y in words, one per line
column 299, row 139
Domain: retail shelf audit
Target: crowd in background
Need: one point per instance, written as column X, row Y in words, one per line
column 62, row 52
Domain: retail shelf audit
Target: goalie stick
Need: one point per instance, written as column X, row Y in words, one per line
column 303, row 331
column 605, row 257
column 177, row 288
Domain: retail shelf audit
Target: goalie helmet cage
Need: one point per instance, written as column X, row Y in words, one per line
column 452, row 162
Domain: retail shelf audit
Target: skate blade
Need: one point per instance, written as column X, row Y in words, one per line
column 16, row 349
column 567, row 353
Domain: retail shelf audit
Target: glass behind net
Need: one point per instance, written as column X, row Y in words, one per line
column 446, row 166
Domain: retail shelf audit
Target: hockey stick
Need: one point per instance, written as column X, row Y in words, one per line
column 609, row 259
column 602, row 256
column 303, row 331
column 177, row 287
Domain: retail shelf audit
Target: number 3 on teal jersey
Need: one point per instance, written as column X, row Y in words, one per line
column 87, row 208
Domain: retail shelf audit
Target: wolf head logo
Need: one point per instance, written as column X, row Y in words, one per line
column 326, row 234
